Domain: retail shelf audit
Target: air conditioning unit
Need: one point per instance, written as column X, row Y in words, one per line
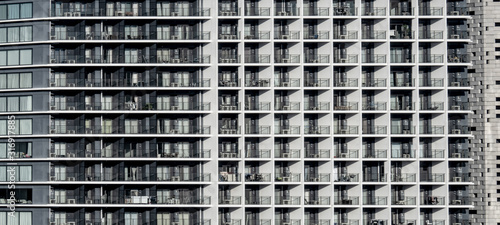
column 119, row 13
column 226, row 155
column 70, row 178
column 53, row 131
column 71, row 38
column 53, row 61
column 71, row 108
column 286, row 202
column 454, row 13
column 88, row 61
column 285, row 131
column 88, row 201
column 174, row 107
column 456, row 131
column 343, row 155
column 52, row 155
column 89, row 223
column 343, row 131
column 71, row 61
column 343, row 60
column 68, row 14
column 77, row 14
column 455, row 107
column 456, row 202
column 285, row 60
column 343, row 36
column 314, row 179
column 174, row 37
column 88, row 155
column 400, row 202
column 53, row 108
column 70, row 155
column 88, row 131
column 285, row 155
column 455, row 36
column 88, row 107
column 52, row 84
column 286, row 179
column 176, row 178
column 71, row 132
column 457, row 179
column 71, row 201
column 285, row 37
column 53, row 38
column 455, row 84
column 52, row 201
column 456, row 155
column 173, row 131
column 88, row 84
column 70, row 223
column 406, row 156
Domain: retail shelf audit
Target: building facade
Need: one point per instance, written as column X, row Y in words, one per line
column 234, row 112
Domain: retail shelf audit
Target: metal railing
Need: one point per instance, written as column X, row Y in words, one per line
column 318, row 106
column 321, row 58
column 290, row 58
column 374, row 82
column 322, row 177
column 349, row 154
column 261, row 153
column 229, row 11
column 257, row 58
column 321, row 153
column 74, row 11
column 456, row 106
column 258, row 177
column 316, row 129
column 377, row 200
column 431, row 58
column 229, row 107
column 229, row 58
column 376, row 34
column 287, row 177
column 125, row 83
column 290, row 106
column 350, row 177
column 350, row 58
column 261, row 200
column 350, row 35
column 131, row 59
column 432, row 82
column 286, row 11
column 261, row 35
column 344, row 11
column 262, row 106
column 402, row 11
column 290, row 35
column 321, row 35
column 433, row 34
column 318, row 11
column 430, row 11
column 458, row 58
column 346, row 130
column 375, row 130
column 257, row 11
column 377, row 58
column 404, row 177
column 457, row 11
column 261, row 82
column 349, row 82
column 396, row 129
column 399, row 34
column 258, row 130
column 431, row 130
column 229, row 177
column 402, row 107
column 232, row 200
column 230, row 130
column 432, row 200
column 375, row 106
column 375, row 177
column 458, row 35
column 291, row 200
column 432, row 154
column 286, row 129
column 317, row 83
column 350, row 200
column 402, row 58
column 291, row 153
column 321, row 200
column 432, row 177
column 459, row 177
column 432, row 106
column 346, row 106
column 373, row 11
column 375, row 154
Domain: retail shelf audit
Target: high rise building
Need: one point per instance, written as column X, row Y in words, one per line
column 232, row 112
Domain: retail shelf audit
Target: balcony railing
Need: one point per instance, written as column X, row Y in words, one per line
column 348, row 35
column 403, row 154
column 402, row 107
column 409, row 200
column 322, row 177
column 258, row 177
column 292, row 153
column 377, row 200
column 374, row 177
column 432, row 154
column 375, row 106
column 395, row 129
column 257, row 11
column 230, row 130
column 458, row 11
column 404, row 177
column 287, row 222
column 375, row 130
column 373, row 11
column 124, row 83
column 433, row 34
column 349, row 154
column 128, row 129
column 290, row 200
column 375, row 154
column 316, row 129
column 258, row 130
column 261, row 153
column 430, row 11
column 374, row 83
column 290, row 35
column 346, row 106
column 257, row 58
column 262, row 82
column 229, row 58
column 153, row 35
column 351, row 200
column 321, row 35
column 431, row 58
column 433, row 82
column 317, row 58
column 191, row 200
column 261, row 35
column 229, row 154
column 350, row 177
column 286, row 11
column 229, row 11
column 286, row 129
column 377, row 34
column 432, row 106
column 457, row 106
column 399, row 34
column 318, row 106
column 318, row 11
column 261, row 106
column 458, row 58
column 287, row 177
column 349, row 82
column 229, row 177
column 457, row 154
column 232, row 200
column 459, row 177
column 144, row 59
column 290, row 106
column 458, row 82
column 458, row 35
column 402, row 58
column 351, row 58
column 229, row 107
column 321, row 200
column 344, row 11
column 317, row 83
column 77, row 11
column 377, row 58
column 402, row 11
column 431, row 130
column 460, row 201
column 346, row 221
column 432, row 200
column 229, row 36
column 290, row 58
column 321, row 153
column 432, row 177
column 346, row 130
column 261, row 200
column 316, row 222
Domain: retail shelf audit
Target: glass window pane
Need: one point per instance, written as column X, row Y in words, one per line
column 3, row 104
column 3, row 150
column 3, row 35
column 26, row 33
column 13, row 11
column 26, row 10
column 25, row 126
column 13, row 81
column 13, row 34
column 25, row 103
column 3, row 81
column 24, row 80
column 3, row 12
column 3, row 58
column 13, row 57
column 26, row 58
column 3, row 128
column 13, row 104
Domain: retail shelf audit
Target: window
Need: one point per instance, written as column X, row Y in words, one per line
column 497, row 40
column 19, row 218
column 21, row 150
column 15, row 80
column 16, row 11
column 23, row 196
column 498, row 99
column 16, row 104
column 16, row 57
column 22, row 126
column 16, row 34
column 19, row 173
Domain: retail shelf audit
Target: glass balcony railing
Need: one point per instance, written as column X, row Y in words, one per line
column 321, row 153
column 77, row 11
column 348, row 35
column 399, row 34
column 229, row 58
column 432, row 177
column 374, row 83
column 346, row 106
column 258, row 58
column 432, row 82
column 193, row 83
column 260, row 106
column 458, row 35
column 287, row 222
column 408, row 200
column 321, row 35
column 377, row 34
column 346, row 221
column 317, row 222
column 350, row 200
column 128, row 129
column 290, row 58
column 458, row 58
column 395, row 129
column 457, row 11
column 432, row 154
column 457, row 154
column 317, row 58
column 375, row 106
column 229, row 177
column 230, row 200
column 318, row 106
column 377, row 58
column 292, row 82
column 229, row 107
column 318, row 11
column 430, row 11
column 375, row 130
column 229, row 11
column 433, row 34
column 321, row 200
column 351, row 58
column 260, row 153
column 432, row 200
column 431, row 58
column 350, row 177
column 375, row 153
column 344, row 11
column 258, row 130
column 290, row 35
column 257, row 11
column 431, row 129
column 374, row 177
column 404, row 177
column 229, row 82
column 131, row 59
column 230, row 130
column 229, row 154
column 287, row 177
column 260, row 222
column 258, row 177
column 291, row 153
column 396, row 11
column 322, row 177
column 457, row 106
column 286, row 11
column 377, row 200
column 261, row 35
column 316, row 129
column 398, row 106
column 373, row 11
column 460, row 201
column 402, row 58
column 317, row 83
column 153, row 35
column 261, row 200
column 455, row 82
column 261, row 82
column 348, row 154
column 287, row 106
column 346, row 130
column 229, row 36
column 349, row 82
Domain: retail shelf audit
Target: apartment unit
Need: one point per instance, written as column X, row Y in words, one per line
column 484, row 30
column 231, row 112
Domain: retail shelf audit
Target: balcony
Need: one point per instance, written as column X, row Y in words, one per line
column 349, row 82
column 286, row 129
column 403, row 154
column 316, row 129
column 322, row 177
column 258, row 177
column 349, row 154
column 432, row 106
column 409, row 200
column 433, row 82
column 229, row 177
column 261, row 200
column 377, row 58
column 290, row 106
column 459, row 177
column 402, row 130
column 432, row 200
column 458, row 130
column 229, row 58
column 229, row 36
column 257, row 58
column 321, row 200
column 318, row 11
column 257, row 11
column 402, row 107
column 373, row 11
column 345, row 221
column 375, row 130
column 351, row 58
column 121, row 59
column 460, row 201
column 317, row 83
column 404, row 177
column 320, row 35
column 377, row 200
column 184, row 177
column 458, row 58
column 317, row 58
column 230, row 130
column 408, row 11
column 188, row 200
column 382, row 106
column 287, row 177
column 375, row 35
column 402, row 58
column 76, row 11
column 458, row 154
column 257, row 82
column 345, row 130
column 351, row 177
column 290, row 200
column 320, row 106
column 374, row 83
column 258, row 154
column 456, row 82
column 430, row 11
column 347, row 106
column 290, row 154
column 258, row 130
column 457, row 11
column 229, row 107
column 374, row 177
column 344, row 11
column 287, row 222
column 321, row 153
column 402, row 35
column 431, row 130
column 432, row 177
column 290, row 35
column 153, row 35
column 374, row 154
column 351, row 200
column 433, row 34
column 228, row 10
column 348, row 35
column 431, row 58
column 173, row 130
column 458, row 35
column 232, row 200
column 260, row 106
column 128, row 129
column 124, row 83
column 290, row 58
column 286, row 11
column 316, row 222
column 432, row 154
column 261, row 35
column 229, row 154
